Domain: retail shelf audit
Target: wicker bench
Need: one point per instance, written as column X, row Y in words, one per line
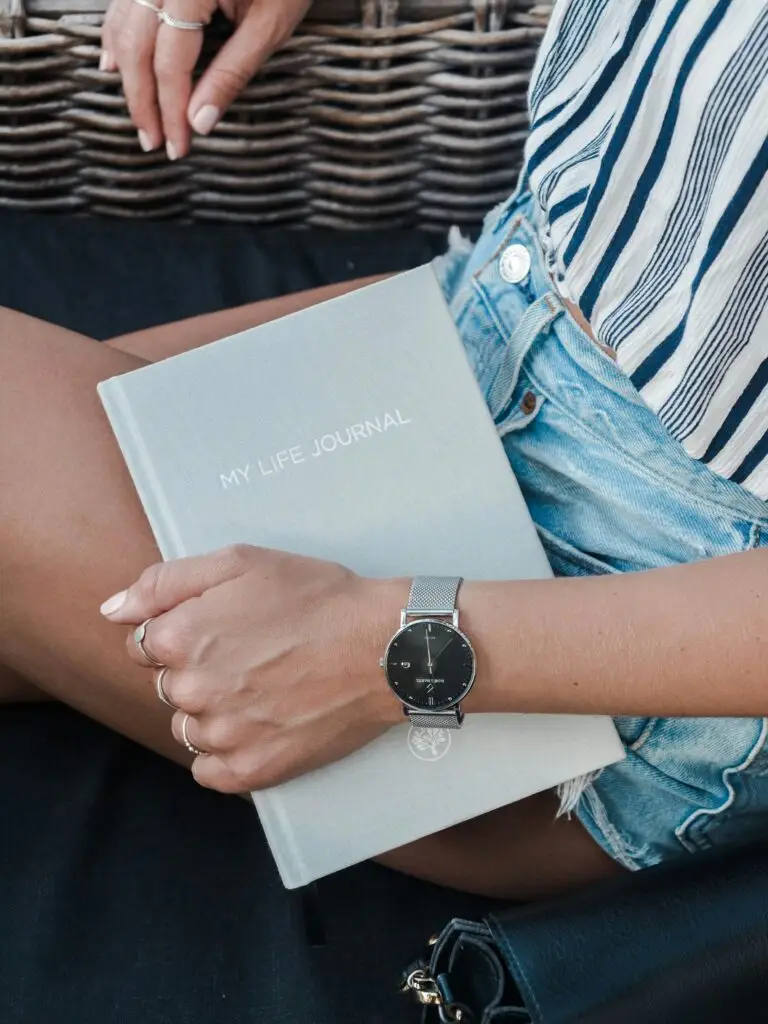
column 378, row 113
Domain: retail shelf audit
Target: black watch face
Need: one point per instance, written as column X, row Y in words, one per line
column 430, row 665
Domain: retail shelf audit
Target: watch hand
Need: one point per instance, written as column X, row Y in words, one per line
column 430, row 663
column 442, row 649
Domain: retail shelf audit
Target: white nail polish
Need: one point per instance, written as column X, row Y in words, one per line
column 144, row 141
column 104, row 61
column 206, row 119
column 114, row 604
column 171, row 150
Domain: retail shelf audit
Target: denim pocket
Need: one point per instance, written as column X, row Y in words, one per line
column 739, row 813
column 567, row 560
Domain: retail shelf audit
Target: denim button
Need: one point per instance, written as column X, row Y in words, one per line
column 528, row 404
column 515, row 264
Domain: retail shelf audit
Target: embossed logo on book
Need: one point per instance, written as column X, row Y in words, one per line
column 428, row 744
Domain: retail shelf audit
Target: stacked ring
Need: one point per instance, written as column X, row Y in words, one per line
column 187, row 742
column 187, row 26
column 139, row 636
column 162, row 695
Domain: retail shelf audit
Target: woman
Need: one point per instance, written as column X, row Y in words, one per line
column 619, row 297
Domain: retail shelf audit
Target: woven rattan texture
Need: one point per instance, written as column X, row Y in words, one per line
column 377, row 114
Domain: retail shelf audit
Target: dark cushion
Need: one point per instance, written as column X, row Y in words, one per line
column 106, row 277
column 128, row 894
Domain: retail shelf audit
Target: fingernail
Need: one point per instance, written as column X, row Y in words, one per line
column 206, row 119
column 105, row 61
column 171, row 150
column 144, row 141
column 114, row 604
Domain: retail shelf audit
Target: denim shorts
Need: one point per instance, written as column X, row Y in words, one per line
column 610, row 492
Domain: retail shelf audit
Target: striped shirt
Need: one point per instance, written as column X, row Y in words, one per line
column 648, row 157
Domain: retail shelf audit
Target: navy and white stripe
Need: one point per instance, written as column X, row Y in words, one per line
column 648, row 157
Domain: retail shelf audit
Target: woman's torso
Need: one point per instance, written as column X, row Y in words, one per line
column 648, row 160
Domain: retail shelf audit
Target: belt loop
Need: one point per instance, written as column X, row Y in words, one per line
column 554, row 303
column 536, row 320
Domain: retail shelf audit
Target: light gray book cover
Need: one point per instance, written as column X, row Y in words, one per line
column 355, row 431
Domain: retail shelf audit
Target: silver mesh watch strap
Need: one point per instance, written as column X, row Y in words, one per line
column 433, row 595
column 436, row 719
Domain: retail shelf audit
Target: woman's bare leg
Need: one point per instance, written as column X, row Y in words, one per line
column 71, row 529
column 72, row 532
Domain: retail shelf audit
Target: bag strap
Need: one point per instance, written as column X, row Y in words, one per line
column 462, row 978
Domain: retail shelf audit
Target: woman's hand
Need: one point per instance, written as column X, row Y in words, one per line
column 156, row 61
column 275, row 657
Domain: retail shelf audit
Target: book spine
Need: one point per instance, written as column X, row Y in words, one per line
column 145, row 478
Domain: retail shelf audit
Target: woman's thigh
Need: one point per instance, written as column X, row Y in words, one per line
column 72, row 530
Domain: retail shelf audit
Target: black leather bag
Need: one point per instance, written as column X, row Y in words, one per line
column 680, row 944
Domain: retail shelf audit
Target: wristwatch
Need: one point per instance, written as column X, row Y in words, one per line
column 429, row 663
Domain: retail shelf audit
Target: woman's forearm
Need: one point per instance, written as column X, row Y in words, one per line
column 685, row 640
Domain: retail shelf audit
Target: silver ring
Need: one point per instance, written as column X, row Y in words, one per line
column 139, row 636
column 162, row 695
column 149, row 5
column 188, row 743
column 187, row 26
